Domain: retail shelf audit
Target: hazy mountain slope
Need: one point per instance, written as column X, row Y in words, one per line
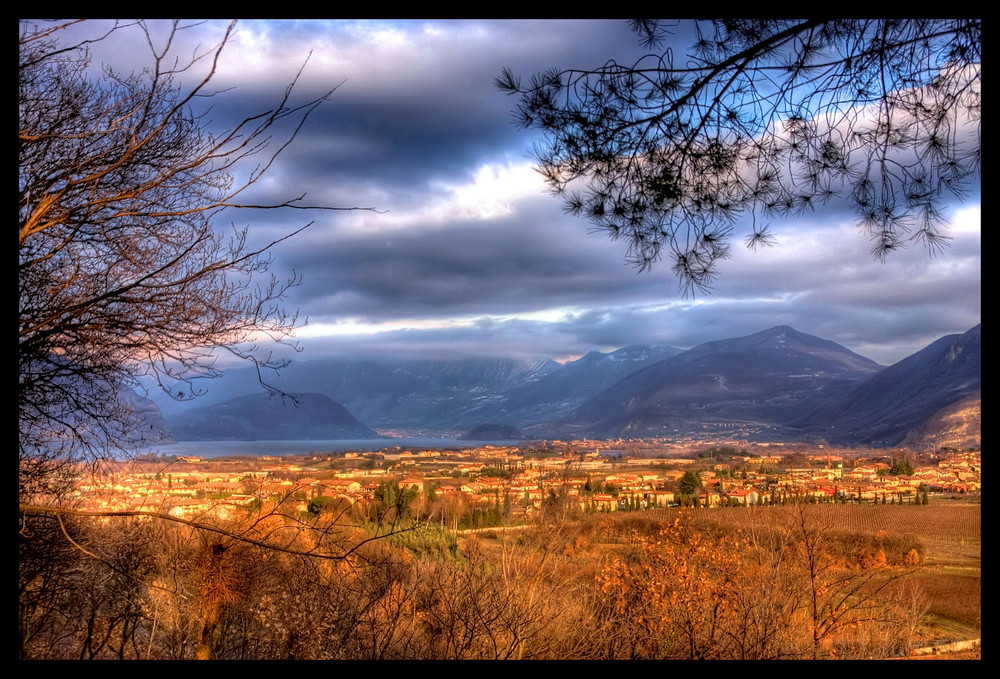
column 150, row 425
column 561, row 391
column 429, row 394
column 259, row 417
column 425, row 394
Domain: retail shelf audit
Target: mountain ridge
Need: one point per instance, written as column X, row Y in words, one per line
column 755, row 378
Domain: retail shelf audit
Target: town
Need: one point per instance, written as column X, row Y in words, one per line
column 492, row 485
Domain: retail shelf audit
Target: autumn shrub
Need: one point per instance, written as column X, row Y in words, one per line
column 686, row 594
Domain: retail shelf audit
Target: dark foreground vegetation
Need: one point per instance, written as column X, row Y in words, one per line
column 803, row 581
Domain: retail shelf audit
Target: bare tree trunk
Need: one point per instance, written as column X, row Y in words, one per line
column 206, row 640
column 213, row 592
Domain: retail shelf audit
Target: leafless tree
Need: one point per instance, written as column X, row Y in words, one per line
column 122, row 270
column 762, row 118
column 123, row 273
column 842, row 593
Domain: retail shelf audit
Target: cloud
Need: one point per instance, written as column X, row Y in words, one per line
column 468, row 256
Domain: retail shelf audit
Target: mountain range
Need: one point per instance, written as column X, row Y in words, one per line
column 779, row 384
column 443, row 396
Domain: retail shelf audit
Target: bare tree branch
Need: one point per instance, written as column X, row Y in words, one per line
column 58, row 512
column 122, row 271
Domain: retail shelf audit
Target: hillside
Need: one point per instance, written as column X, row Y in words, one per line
column 908, row 394
column 260, row 417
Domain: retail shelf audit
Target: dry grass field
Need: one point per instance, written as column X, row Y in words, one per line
column 947, row 536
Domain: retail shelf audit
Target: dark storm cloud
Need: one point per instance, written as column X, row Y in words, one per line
column 394, row 150
column 527, row 262
column 416, row 101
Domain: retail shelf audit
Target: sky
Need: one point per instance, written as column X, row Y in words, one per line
column 465, row 253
